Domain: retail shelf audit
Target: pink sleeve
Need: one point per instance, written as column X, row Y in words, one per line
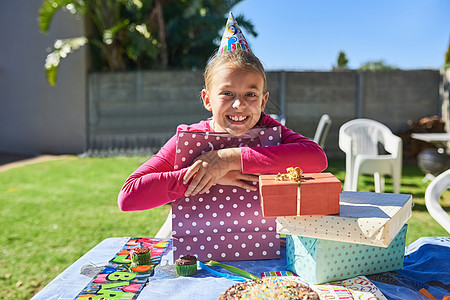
column 295, row 151
column 154, row 183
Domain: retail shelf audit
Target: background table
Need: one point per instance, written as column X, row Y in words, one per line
column 433, row 161
column 440, row 140
column 427, row 265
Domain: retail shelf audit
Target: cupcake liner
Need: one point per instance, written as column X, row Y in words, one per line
column 186, row 270
column 141, row 258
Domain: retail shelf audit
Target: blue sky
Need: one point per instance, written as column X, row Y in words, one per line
column 309, row 34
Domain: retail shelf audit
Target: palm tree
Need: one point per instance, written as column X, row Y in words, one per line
column 141, row 34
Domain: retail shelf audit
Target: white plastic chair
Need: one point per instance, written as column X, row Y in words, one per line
column 322, row 130
column 432, row 195
column 165, row 231
column 360, row 139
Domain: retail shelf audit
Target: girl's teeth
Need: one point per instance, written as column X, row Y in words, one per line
column 238, row 118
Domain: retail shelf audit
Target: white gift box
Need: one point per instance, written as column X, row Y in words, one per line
column 365, row 218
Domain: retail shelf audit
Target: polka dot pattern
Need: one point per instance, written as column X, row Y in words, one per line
column 226, row 223
column 190, row 145
column 320, row 260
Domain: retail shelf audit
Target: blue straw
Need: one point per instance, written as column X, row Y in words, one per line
column 228, row 276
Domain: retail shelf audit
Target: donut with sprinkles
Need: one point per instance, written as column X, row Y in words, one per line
column 270, row 288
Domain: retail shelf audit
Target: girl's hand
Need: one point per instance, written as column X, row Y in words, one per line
column 208, row 168
column 236, row 178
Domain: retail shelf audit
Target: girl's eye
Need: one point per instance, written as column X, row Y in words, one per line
column 227, row 93
column 250, row 95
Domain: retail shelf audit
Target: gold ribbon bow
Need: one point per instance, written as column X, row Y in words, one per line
column 294, row 174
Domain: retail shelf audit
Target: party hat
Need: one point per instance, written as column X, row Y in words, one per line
column 233, row 38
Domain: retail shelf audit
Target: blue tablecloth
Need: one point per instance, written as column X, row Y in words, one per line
column 426, row 265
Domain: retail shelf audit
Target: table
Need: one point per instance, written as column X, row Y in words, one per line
column 440, row 140
column 70, row 282
column 427, row 264
column 163, row 285
column 433, row 162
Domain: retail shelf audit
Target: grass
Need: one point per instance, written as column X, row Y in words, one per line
column 54, row 212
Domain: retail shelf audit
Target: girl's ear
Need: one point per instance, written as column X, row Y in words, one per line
column 264, row 101
column 206, row 100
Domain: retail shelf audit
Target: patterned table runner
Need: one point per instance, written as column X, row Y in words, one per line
column 118, row 280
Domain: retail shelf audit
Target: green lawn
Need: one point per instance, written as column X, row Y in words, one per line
column 53, row 212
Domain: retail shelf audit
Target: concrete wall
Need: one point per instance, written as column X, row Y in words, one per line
column 444, row 93
column 144, row 108
column 391, row 98
column 141, row 109
column 35, row 117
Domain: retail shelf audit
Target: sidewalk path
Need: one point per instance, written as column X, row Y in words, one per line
column 18, row 162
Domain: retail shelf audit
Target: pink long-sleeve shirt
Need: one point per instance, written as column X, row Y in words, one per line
column 156, row 182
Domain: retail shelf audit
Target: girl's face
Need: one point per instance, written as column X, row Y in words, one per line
column 236, row 99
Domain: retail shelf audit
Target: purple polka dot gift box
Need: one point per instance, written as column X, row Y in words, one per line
column 319, row 260
column 226, row 223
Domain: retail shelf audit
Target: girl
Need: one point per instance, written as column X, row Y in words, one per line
column 236, row 94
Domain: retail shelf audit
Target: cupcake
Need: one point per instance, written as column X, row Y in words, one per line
column 186, row 265
column 140, row 256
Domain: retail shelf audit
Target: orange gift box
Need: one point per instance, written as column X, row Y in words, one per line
column 319, row 195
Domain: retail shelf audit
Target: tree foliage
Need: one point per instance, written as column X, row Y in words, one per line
column 342, row 61
column 447, row 57
column 142, row 34
column 194, row 30
column 379, row 65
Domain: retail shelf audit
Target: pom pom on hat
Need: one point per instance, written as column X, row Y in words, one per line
column 233, row 38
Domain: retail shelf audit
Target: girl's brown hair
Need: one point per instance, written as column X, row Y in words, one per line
column 238, row 59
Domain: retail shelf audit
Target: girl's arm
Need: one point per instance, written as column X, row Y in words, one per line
column 154, row 183
column 295, row 151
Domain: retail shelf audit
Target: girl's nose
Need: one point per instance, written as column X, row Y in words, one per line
column 237, row 103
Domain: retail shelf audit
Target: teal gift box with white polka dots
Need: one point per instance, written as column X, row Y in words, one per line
column 319, row 260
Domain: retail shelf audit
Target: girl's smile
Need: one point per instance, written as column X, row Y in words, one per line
column 236, row 99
